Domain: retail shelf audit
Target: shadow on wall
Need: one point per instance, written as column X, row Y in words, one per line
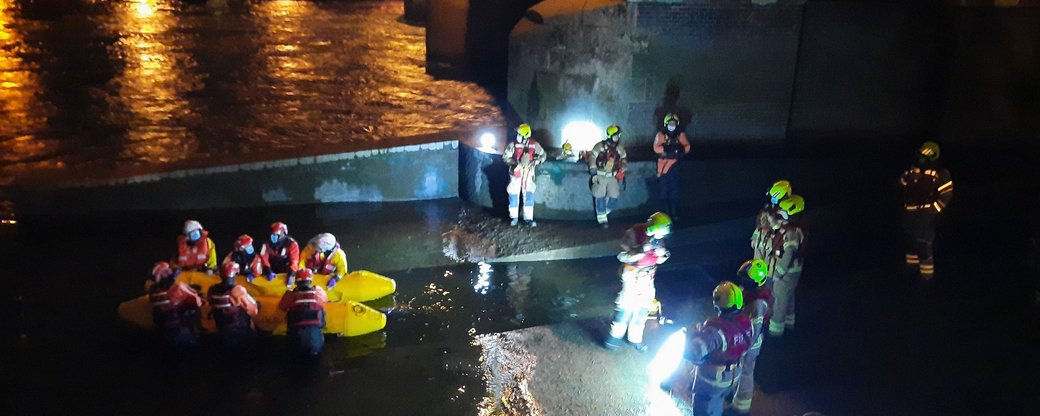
column 670, row 104
column 497, row 174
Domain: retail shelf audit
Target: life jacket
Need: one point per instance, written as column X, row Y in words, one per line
column 165, row 313
column 322, row 266
column 609, row 153
column 278, row 255
column 193, row 255
column 306, row 309
column 736, row 334
column 224, row 312
column 673, row 148
column 922, row 186
column 764, row 293
column 247, row 263
column 518, row 152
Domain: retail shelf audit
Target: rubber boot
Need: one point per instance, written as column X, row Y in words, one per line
column 612, row 343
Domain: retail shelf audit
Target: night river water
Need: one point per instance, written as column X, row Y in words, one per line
column 115, row 83
column 65, row 277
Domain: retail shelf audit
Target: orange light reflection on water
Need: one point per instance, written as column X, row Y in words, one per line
column 155, row 80
column 20, row 110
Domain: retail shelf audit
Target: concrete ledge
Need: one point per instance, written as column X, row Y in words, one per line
column 402, row 173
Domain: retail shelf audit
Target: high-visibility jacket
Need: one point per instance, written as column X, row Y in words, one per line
column 304, row 306
column 171, row 303
column 247, row 263
column 721, row 341
column 786, row 249
column 334, row 264
column 231, row 306
column 926, row 188
column 281, row 258
column 529, row 153
column 201, row 254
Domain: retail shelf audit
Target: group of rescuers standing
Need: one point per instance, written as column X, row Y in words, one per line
column 607, row 162
column 759, row 300
column 761, row 297
column 176, row 306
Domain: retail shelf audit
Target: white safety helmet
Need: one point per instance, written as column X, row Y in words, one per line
column 191, row 225
column 325, row 242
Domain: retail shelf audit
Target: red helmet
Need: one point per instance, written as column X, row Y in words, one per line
column 229, row 268
column 304, row 275
column 243, row 241
column 279, row 228
column 161, row 270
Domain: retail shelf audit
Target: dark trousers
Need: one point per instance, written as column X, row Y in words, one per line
column 668, row 192
column 919, row 234
column 309, row 340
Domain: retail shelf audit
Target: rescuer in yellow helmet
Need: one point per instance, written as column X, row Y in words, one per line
column 642, row 250
column 927, row 189
column 716, row 347
column 784, row 257
column 522, row 155
column 670, row 144
column 607, row 162
column 752, row 278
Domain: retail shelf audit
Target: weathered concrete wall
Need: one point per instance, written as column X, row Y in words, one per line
column 404, row 173
column 995, row 83
column 729, row 65
column 870, row 70
column 819, row 72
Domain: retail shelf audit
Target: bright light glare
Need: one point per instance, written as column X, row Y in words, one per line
column 483, row 282
column 668, row 358
column 581, row 134
column 487, row 142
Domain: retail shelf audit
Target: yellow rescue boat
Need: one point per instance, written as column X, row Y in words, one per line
column 344, row 314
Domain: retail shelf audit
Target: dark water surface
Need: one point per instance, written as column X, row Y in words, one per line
column 78, row 356
column 115, row 83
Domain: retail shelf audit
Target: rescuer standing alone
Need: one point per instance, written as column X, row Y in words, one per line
column 607, row 162
column 670, row 144
column 522, row 155
column 642, row 251
column 927, row 189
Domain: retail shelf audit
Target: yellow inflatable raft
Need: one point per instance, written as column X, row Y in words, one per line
column 360, row 286
column 344, row 314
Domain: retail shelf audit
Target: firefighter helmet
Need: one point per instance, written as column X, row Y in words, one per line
column 161, row 270
column 792, row 205
column 613, row 130
column 304, row 275
column 727, row 295
column 659, row 225
column 757, row 270
column 524, row 130
column 230, row 269
column 930, row 150
column 670, row 117
column 779, row 190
